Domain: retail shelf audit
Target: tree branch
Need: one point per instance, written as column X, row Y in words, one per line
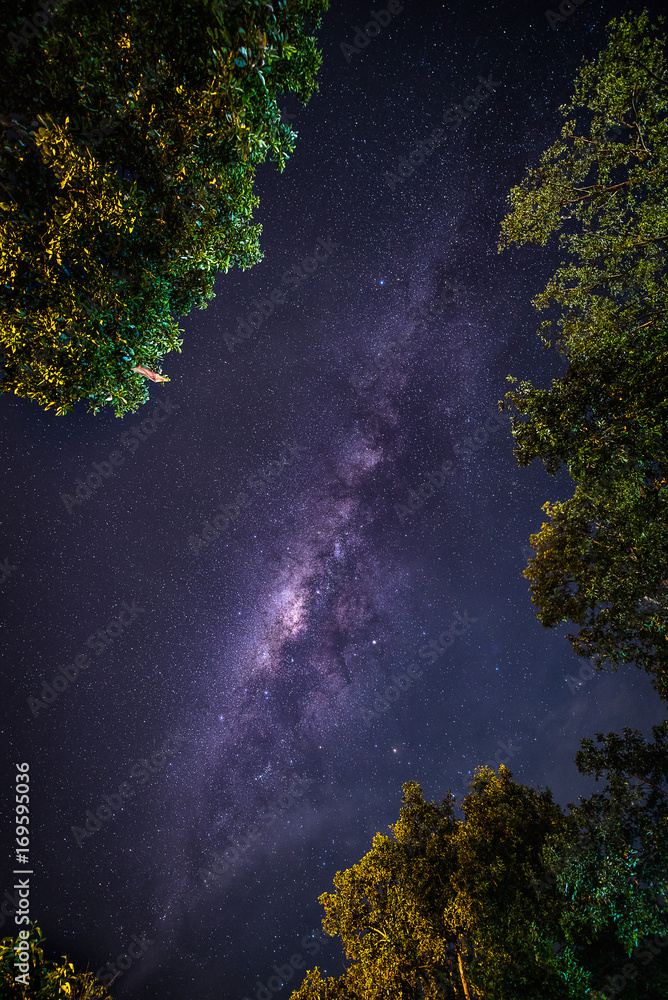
column 461, row 973
column 646, row 781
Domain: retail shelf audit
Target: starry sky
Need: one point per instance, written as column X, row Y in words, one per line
column 253, row 563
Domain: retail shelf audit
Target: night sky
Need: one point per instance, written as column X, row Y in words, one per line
column 247, row 657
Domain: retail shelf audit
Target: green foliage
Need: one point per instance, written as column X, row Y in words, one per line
column 47, row 980
column 611, row 858
column 601, row 557
column 601, row 563
column 518, row 900
column 130, row 143
column 444, row 906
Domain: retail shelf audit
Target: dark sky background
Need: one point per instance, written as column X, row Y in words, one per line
column 264, row 649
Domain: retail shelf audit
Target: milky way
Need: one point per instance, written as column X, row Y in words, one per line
column 266, row 648
column 329, row 596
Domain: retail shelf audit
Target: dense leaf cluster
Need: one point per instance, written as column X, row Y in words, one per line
column 46, row 979
column 601, row 557
column 519, row 900
column 130, row 137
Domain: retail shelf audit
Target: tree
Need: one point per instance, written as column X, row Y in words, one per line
column 445, row 908
column 601, row 563
column 131, row 137
column 612, row 191
column 518, row 900
column 605, row 417
column 601, row 556
column 610, row 858
column 47, row 980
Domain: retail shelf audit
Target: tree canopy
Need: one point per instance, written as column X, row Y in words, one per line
column 131, row 135
column 45, row 979
column 444, row 907
column 609, row 863
column 518, row 899
column 600, row 557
